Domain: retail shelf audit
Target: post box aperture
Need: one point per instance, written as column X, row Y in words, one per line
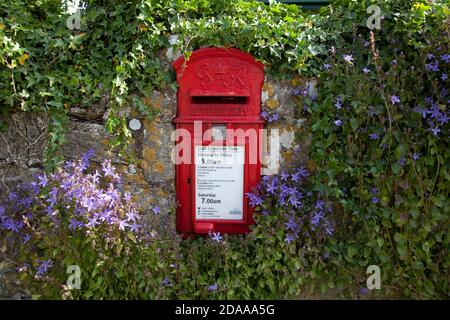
column 220, row 129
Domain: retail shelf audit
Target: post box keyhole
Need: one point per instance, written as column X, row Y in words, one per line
column 219, row 132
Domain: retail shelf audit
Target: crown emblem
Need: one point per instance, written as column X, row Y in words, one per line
column 220, row 71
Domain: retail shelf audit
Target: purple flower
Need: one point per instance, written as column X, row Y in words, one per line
column 86, row 159
column 132, row 216
column 303, row 172
column 394, row 62
column 319, row 204
column 42, row 180
column 34, row 187
column 338, row 103
column 212, row 287
column 10, row 225
column 445, row 58
column 338, row 123
column 127, row 197
column 363, row 292
column 289, row 238
column 433, row 66
column 402, row 161
column 443, row 118
column 366, row 70
column 265, row 179
column 375, row 200
column 105, row 215
column 93, row 222
column 424, row 113
column 108, row 169
column 284, row 176
column 95, row 177
column 270, row 117
column 91, row 204
column 295, row 177
column 444, row 77
column 265, row 114
column 395, row 99
column 25, row 202
column 134, row 227
column 373, row 136
column 123, row 224
column 66, row 184
column 74, row 224
column 435, row 131
column 316, row 218
column 291, row 225
column 255, row 200
column 166, row 282
column 26, row 238
column 430, row 56
column 89, row 154
column 297, row 91
column 216, row 237
column 348, row 58
column 43, row 267
column 53, row 197
column 273, row 117
column 272, row 187
column 327, row 66
column 68, row 165
column 329, row 230
column 156, row 210
column 415, row 156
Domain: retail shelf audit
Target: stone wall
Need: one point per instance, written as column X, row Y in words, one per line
column 151, row 177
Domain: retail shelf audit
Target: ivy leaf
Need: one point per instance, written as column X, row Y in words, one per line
column 396, row 168
column 354, row 124
column 351, row 251
column 56, row 104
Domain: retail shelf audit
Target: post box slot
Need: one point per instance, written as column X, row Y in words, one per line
column 220, row 100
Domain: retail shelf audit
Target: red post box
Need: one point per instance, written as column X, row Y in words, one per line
column 218, row 140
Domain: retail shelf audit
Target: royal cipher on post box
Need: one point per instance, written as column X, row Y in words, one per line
column 218, row 140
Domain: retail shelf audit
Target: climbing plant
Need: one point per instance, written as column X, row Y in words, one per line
column 48, row 67
column 380, row 143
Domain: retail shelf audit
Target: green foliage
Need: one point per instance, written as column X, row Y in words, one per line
column 394, row 205
column 47, row 67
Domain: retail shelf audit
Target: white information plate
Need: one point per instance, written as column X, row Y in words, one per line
column 219, row 182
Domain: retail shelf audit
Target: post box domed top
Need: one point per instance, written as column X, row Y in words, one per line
column 208, row 53
column 223, row 82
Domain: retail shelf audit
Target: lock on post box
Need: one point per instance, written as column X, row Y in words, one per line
column 218, row 140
